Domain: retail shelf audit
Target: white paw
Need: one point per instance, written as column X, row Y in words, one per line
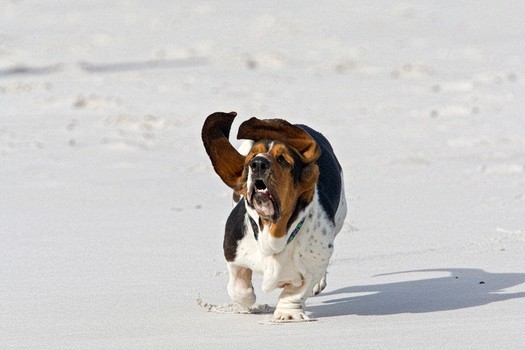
column 294, row 315
column 319, row 287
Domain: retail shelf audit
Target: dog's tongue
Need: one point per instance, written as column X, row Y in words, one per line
column 263, row 203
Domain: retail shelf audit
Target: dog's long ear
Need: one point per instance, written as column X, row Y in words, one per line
column 280, row 130
column 227, row 162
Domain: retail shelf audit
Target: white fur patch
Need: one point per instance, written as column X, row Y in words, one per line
column 299, row 267
column 245, row 147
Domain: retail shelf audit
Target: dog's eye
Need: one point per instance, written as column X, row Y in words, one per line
column 283, row 161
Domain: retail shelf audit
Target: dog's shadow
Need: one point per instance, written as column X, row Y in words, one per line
column 463, row 288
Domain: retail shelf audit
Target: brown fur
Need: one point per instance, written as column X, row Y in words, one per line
column 281, row 184
column 279, row 129
column 227, row 162
column 233, row 167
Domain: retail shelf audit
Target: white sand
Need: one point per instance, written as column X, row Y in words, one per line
column 111, row 218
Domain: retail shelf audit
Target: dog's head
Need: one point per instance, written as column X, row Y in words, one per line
column 278, row 173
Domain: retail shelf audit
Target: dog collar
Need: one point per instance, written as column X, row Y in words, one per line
column 296, row 230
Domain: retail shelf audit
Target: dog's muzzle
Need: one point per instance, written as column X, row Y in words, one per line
column 260, row 195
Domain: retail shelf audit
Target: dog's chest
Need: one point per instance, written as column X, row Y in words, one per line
column 308, row 253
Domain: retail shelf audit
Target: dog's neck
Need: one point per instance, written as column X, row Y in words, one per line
column 273, row 237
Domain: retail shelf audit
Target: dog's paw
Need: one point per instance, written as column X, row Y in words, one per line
column 289, row 317
column 319, row 287
column 284, row 314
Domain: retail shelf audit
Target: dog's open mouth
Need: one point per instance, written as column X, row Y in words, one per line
column 262, row 199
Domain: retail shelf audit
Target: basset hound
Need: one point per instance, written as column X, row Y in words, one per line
column 290, row 206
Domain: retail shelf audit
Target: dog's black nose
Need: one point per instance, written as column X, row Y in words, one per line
column 260, row 165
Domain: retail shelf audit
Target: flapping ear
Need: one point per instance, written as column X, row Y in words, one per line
column 280, row 130
column 227, row 162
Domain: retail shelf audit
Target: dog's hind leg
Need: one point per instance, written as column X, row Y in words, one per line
column 319, row 287
column 240, row 286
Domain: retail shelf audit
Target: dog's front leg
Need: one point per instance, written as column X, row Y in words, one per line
column 240, row 286
column 292, row 299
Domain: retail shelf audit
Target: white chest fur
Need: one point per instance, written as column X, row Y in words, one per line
column 283, row 263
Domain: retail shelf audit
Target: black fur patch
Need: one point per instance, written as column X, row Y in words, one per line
column 235, row 230
column 329, row 183
column 255, row 228
column 298, row 166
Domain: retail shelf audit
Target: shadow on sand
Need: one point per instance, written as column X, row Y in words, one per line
column 463, row 288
